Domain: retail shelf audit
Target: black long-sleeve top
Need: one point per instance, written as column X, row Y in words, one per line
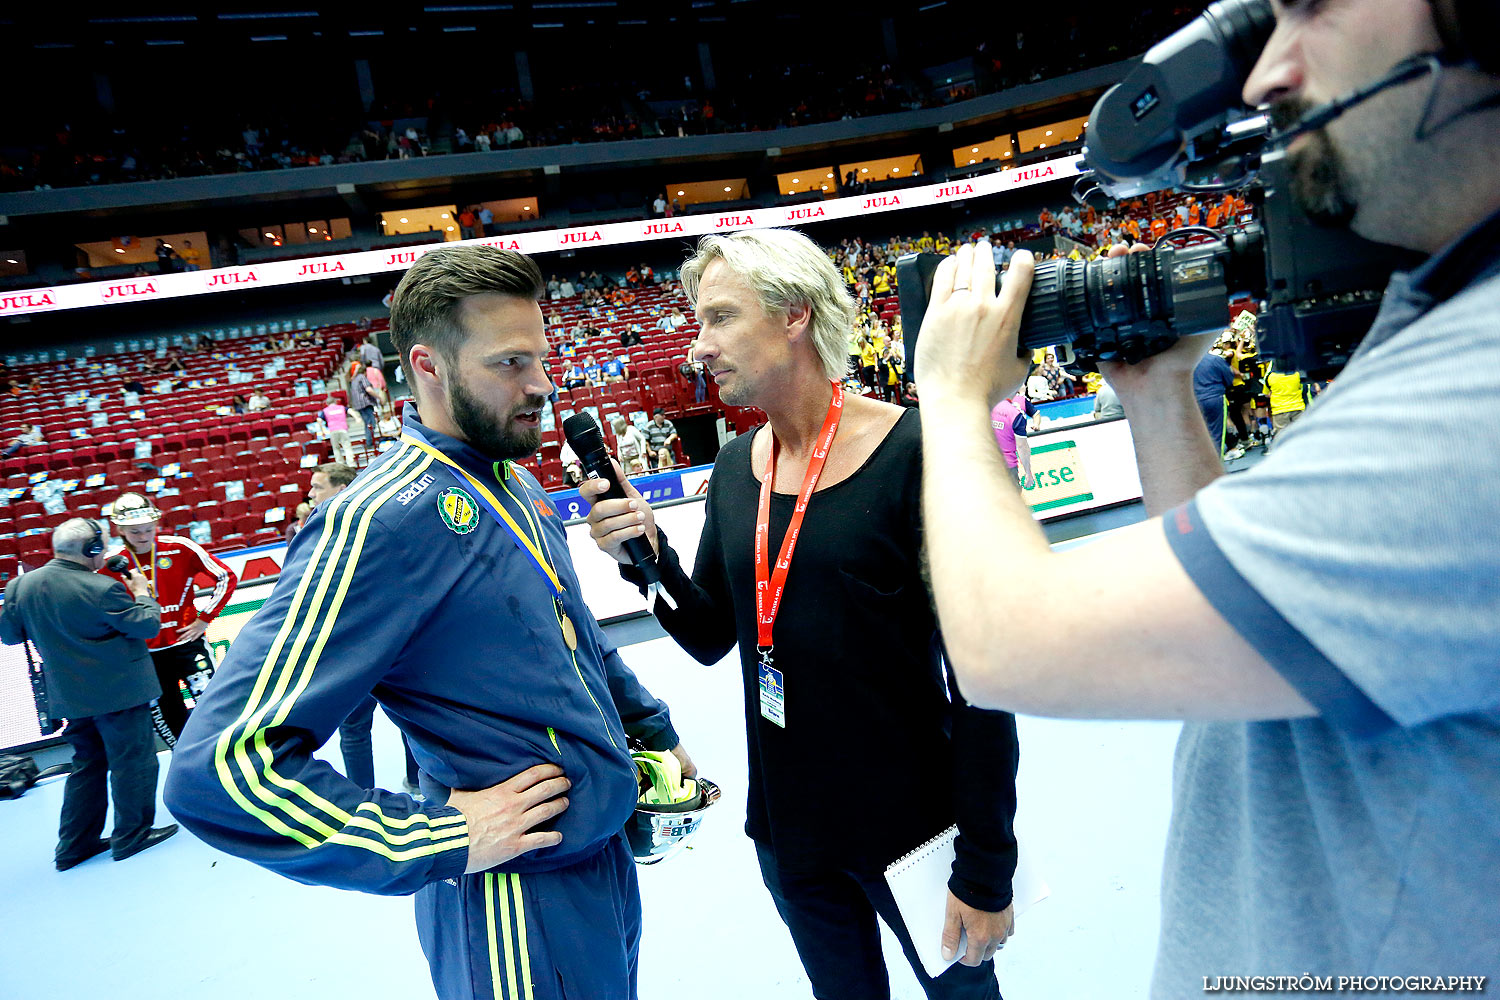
column 880, row 752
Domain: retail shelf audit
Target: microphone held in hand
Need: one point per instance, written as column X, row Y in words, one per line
column 587, row 442
column 117, row 564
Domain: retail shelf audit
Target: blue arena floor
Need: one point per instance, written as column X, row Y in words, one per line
column 184, row 921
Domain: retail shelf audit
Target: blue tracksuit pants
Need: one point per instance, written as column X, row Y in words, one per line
column 569, row 934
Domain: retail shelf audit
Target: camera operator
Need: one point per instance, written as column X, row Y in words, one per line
column 1328, row 622
column 92, row 636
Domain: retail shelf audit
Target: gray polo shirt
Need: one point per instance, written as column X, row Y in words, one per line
column 656, row 435
column 1362, row 559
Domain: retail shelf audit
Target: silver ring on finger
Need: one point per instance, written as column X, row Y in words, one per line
column 960, row 288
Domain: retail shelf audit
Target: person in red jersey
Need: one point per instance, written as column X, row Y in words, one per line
column 171, row 564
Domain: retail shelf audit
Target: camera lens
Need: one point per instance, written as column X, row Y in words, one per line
column 1056, row 311
column 1111, row 309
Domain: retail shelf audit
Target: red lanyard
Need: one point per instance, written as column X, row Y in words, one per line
column 770, row 586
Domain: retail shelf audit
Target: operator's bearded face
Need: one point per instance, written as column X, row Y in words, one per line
column 1321, row 180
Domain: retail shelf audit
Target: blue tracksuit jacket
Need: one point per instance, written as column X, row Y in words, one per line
column 396, row 589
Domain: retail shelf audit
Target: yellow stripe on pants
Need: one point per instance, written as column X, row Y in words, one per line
column 509, row 889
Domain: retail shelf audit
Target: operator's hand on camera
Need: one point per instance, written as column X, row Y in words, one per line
column 503, row 818
column 612, row 523
column 967, row 348
column 1150, row 376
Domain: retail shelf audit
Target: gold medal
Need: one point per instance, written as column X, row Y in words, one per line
column 570, row 634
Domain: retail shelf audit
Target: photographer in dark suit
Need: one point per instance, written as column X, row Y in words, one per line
column 92, row 636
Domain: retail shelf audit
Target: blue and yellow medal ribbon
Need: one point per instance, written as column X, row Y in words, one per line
column 491, row 504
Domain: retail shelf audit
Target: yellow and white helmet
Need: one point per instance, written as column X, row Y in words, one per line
column 131, row 508
column 669, row 808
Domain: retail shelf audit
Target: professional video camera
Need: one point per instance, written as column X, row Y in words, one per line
column 1177, row 121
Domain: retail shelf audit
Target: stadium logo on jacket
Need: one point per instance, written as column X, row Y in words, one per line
column 460, row 512
column 415, row 490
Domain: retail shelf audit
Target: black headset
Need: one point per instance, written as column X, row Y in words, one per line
column 94, row 546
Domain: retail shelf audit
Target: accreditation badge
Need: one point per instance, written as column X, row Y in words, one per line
column 772, row 695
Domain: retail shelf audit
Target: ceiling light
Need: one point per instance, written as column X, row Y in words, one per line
column 726, row 190
column 270, row 236
column 118, row 250
column 266, row 16
column 167, row 245
column 971, row 161
column 445, row 215
column 1007, row 153
column 974, row 150
column 864, row 170
column 796, row 180
column 1042, row 146
column 403, row 220
column 11, row 260
column 525, row 208
column 382, row 222
column 450, row 229
column 825, row 187
column 1085, row 124
column 895, row 170
column 1049, row 131
column 311, row 229
column 830, row 177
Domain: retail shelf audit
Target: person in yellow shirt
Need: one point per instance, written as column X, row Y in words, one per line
column 867, row 362
column 926, row 243
column 1288, row 397
column 192, row 257
column 882, row 283
column 943, row 245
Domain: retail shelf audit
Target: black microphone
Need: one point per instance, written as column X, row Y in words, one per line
column 587, row 442
column 1411, row 68
column 117, row 564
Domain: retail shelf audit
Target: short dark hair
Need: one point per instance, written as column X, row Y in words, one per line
column 658, row 410
column 424, row 307
column 338, row 473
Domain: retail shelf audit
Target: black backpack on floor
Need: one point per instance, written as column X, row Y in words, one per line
column 16, row 775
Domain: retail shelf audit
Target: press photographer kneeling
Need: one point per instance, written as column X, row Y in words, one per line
column 1328, row 622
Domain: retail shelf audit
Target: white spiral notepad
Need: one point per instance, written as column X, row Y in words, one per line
column 919, row 881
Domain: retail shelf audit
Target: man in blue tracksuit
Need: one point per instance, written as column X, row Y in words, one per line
column 440, row 582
